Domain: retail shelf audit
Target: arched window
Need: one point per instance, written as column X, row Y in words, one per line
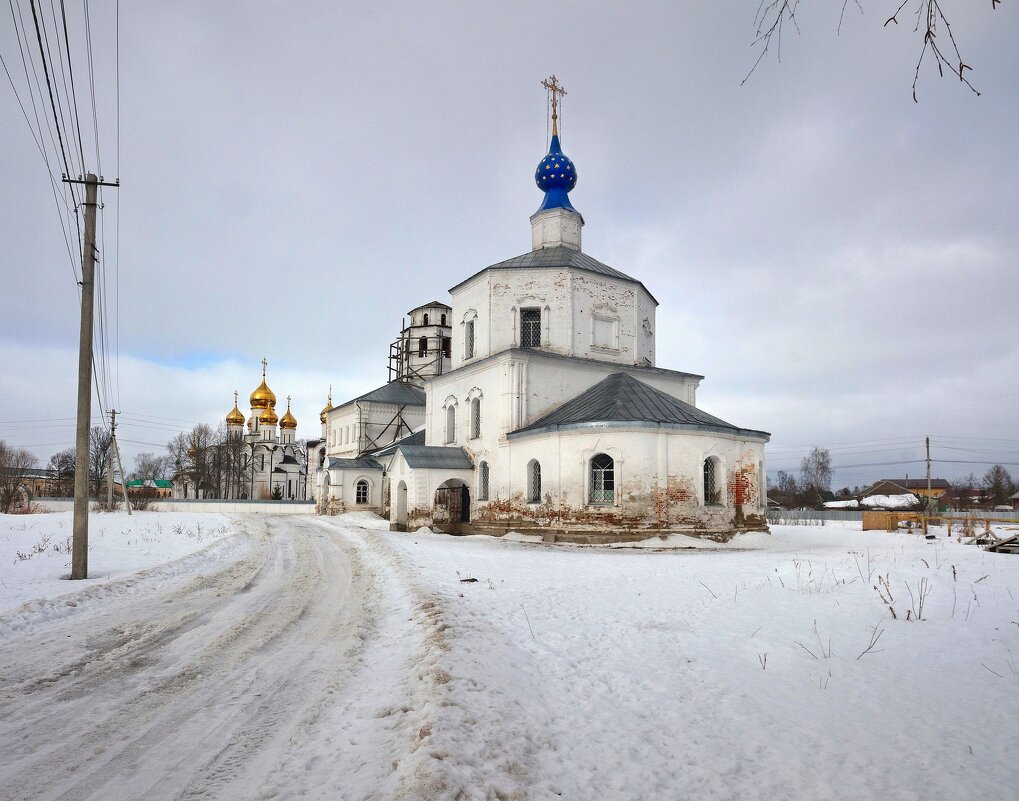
column 533, row 481
column 426, row 318
column 711, row 493
column 475, row 418
column 442, row 320
column 602, row 479
column 483, row 479
column 450, row 423
column 469, row 339
column 422, row 346
column 447, row 346
column 361, row 491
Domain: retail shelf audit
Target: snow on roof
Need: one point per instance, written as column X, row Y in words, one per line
column 890, row 501
column 851, row 504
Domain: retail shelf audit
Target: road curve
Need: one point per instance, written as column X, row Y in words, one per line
column 290, row 669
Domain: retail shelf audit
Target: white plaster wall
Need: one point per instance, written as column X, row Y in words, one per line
column 348, row 426
column 519, row 388
column 568, row 300
column 421, row 485
column 471, row 302
column 343, row 486
column 623, row 302
column 648, row 462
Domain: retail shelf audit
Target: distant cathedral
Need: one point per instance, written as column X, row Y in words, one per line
column 273, row 465
column 533, row 402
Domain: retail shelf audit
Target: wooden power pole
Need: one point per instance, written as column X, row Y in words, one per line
column 120, row 466
column 79, row 539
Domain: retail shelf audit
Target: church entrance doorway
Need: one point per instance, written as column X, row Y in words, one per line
column 452, row 508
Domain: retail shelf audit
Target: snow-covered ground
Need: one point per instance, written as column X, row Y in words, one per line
column 328, row 658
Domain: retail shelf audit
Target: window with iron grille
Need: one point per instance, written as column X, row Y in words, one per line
column 603, row 479
column 530, row 328
column 534, row 482
column 450, row 424
column 483, row 477
column 710, row 482
column 361, row 491
column 475, row 418
column 469, row 340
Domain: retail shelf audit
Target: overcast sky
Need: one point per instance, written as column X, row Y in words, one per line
column 838, row 261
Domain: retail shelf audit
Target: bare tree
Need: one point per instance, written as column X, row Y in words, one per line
column 149, row 467
column 930, row 20
column 100, row 458
column 15, row 464
column 61, row 470
column 960, row 495
column 815, row 475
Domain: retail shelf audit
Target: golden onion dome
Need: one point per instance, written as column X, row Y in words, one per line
column 288, row 420
column 263, row 397
column 328, row 407
column 235, row 418
column 268, row 417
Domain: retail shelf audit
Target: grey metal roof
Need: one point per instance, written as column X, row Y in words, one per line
column 361, row 463
column 435, row 304
column 560, row 256
column 419, row 456
column 417, row 438
column 621, row 398
column 395, row 392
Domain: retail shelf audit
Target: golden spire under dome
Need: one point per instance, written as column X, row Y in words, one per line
column 235, row 418
column 263, row 397
column 288, row 420
column 328, row 407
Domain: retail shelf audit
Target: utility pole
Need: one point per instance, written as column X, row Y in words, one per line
column 109, row 469
column 120, row 466
column 927, row 504
column 79, row 539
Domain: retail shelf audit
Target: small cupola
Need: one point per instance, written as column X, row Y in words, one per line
column 556, row 223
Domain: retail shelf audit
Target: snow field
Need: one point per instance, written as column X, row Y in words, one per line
column 726, row 674
column 327, row 658
column 35, row 554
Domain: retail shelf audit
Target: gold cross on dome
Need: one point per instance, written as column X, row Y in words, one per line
column 555, row 90
column 235, row 397
column 265, row 363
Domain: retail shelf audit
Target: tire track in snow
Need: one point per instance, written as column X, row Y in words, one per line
column 265, row 661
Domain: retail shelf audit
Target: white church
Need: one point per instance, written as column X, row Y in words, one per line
column 532, row 402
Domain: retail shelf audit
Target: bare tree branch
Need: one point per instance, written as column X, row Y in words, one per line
column 773, row 15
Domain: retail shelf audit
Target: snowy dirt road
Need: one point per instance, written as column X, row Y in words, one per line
column 295, row 668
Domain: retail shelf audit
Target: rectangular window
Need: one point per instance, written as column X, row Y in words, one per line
column 530, row 328
column 469, row 340
column 447, row 346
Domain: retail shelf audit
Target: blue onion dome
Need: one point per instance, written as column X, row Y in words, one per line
column 556, row 176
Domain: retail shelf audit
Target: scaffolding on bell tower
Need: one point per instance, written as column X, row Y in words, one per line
column 424, row 348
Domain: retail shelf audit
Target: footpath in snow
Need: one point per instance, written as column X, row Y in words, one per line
column 327, row 658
